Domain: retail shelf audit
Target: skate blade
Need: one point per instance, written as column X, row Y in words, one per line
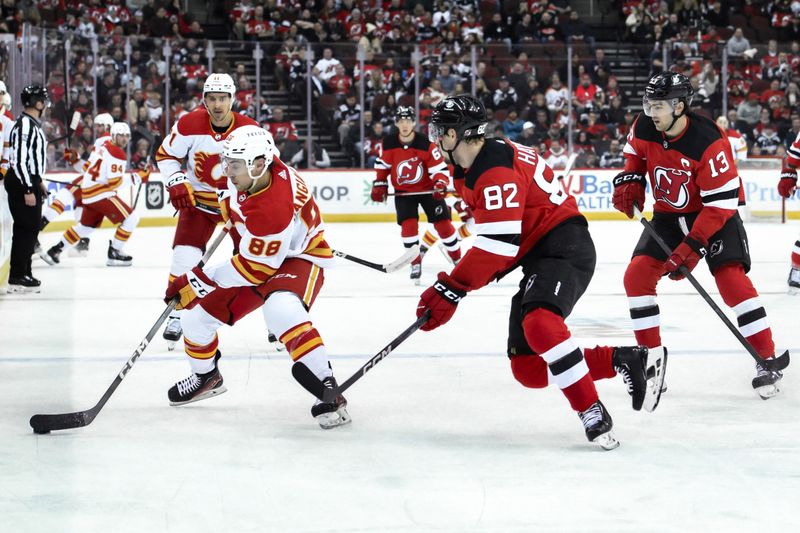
column 793, row 291
column 171, row 345
column 657, row 364
column 47, row 259
column 118, row 263
column 337, row 418
column 607, row 441
column 417, row 281
column 208, row 394
column 15, row 289
column 768, row 391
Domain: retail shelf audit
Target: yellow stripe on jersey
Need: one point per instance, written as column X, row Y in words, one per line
column 295, row 332
column 255, row 273
column 312, row 281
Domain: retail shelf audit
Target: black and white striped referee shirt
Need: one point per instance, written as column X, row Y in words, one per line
column 28, row 152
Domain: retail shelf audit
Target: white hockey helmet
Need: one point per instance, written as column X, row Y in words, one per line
column 104, row 119
column 3, row 88
column 120, row 128
column 218, row 82
column 246, row 145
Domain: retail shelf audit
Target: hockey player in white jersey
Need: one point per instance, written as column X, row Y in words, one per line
column 195, row 144
column 71, row 194
column 6, row 123
column 279, row 268
column 105, row 173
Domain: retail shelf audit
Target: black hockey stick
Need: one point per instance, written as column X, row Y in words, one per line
column 409, row 255
column 777, row 363
column 42, row 424
column 419, row 193
column 312, row 383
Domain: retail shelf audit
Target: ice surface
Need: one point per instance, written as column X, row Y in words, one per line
column 443, row 437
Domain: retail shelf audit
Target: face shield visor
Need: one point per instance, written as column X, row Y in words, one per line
column 436, row 132
column 234, row 167
column 658, row 107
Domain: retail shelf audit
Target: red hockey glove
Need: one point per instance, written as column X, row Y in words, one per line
column 441, row 299
column 440, row 189
column 70, row 156
column 787, row 182
column 181, row 194
column 190, row 287
column 688, row 254
column 463, row 210
column 628, row 190
column 380, row 191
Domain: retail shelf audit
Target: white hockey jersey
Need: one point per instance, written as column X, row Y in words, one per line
column 6, row 123
column 194, row 142
column 279, row 222
column 105, row 172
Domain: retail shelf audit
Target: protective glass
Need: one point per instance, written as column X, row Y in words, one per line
column 657, row 106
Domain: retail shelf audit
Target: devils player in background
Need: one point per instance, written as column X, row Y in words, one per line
column 71, row 194
column 523, row 218
column 697, row 190
column 278, row 268
column 195, row 143
column 786, row 188
column 415, row 165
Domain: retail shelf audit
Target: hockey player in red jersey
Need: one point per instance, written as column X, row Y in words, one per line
column 415, row 165
column 696, row 189
column 279, row 268
column 196, row 142
column 523, row 218
column 786, row 188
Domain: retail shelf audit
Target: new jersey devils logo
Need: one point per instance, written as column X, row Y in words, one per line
column 409, row 171
column 671, row 186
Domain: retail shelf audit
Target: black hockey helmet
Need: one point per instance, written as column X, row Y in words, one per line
column 463, row 113
column 405, row 111
column 32, row 94
column 670, row 86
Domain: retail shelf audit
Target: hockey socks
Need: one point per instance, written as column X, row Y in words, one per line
column 640, row 281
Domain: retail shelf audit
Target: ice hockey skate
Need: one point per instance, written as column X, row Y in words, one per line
column 197, row 386
column 172, row 331
column 117, row 258
column 597, row 423
column 275, row 343
column 794, row 281
column 331, row 414
column 766, row 382
column 643, row 371
column 81, row 249
column 51, row 256
column 416, row 271
column 24, row 284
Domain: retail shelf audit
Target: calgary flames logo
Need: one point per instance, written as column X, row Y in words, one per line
column 208, row 169
column 409, row 171
column 671, row 186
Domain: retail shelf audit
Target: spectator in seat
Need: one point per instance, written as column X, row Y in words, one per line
column 483, row 94
column 768, row 140
column 447, row 79
column 319, row 157
column 612, row 158
column 284, row 132
column 541, row 126
column 518, row 79
column 497, row 30
column 527, row 137
column 505, row 96
column 576, row 30
column 557, row 96
column 599, row 62
column 327, row 65
column 373, row 144
column 347, row 118
column 738, row 44
column 512, row 125
column 749, row 111
column 585, row 93
column 548, row 30
column 556, row 156
column 340, row 83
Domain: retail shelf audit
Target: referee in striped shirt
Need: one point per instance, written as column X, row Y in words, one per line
column 25, row 186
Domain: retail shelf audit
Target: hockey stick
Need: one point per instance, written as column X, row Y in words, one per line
column 419, row 193
column 72, row 126
column 312, row 383
column 409, row 255
column 778, row 363
column 42, row 424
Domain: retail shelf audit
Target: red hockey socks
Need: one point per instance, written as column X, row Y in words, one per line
column 531, row 370
column 449, row 238
column 738, row 293
column 641, row 278
column 409, row 232
column 547, row 335
column 796, row 254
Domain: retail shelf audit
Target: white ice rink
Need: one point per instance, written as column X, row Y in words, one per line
column 443, row 438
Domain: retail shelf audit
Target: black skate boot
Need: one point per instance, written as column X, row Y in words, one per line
column 274, row 342
column 423, row 249
column 643, row 371
column 597, row 423
column 172, row 331
column 24, row 284
column 81, row 249
column 794, row 280
column 43, row 223
column 766, row 382
column 416, row 271
column 331, row 414
column 197, row 386
column 51, row 256
column 117, row 258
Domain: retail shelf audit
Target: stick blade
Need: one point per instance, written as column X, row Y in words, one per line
column 778, row 363
column 43, row 424
column 309, row 381
column 403, row 260
column 76, row 118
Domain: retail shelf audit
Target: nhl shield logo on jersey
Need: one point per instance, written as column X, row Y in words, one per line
column 409, row 171
column 671, row 186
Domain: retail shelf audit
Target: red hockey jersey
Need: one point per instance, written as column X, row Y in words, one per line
column 695, row 171
column 411, row 167
column 516, row 200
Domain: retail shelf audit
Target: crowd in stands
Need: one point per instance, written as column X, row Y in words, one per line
column 521, row 71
